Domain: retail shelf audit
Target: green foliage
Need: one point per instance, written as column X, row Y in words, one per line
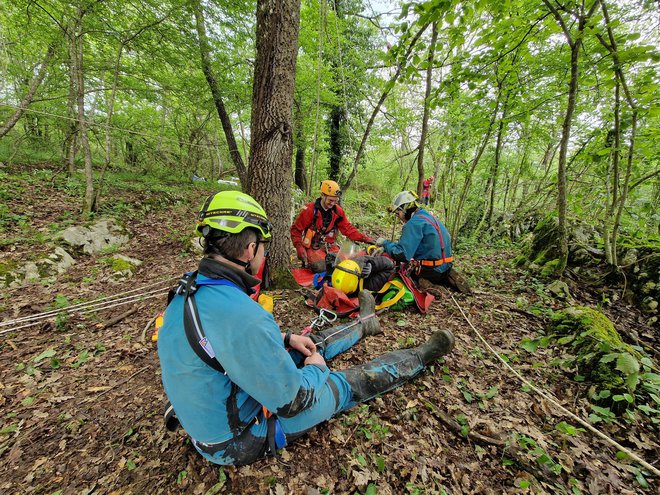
column 621, row 376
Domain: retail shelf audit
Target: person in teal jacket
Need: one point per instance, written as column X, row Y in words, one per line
column 240, row 387
column 425, row 243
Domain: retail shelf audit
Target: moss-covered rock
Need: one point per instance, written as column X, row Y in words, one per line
column 598, row 351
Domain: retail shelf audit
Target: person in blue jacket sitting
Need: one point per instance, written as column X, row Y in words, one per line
column 425, row 244
column 240, row 387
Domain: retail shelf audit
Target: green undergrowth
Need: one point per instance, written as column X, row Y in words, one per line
column 621, row 377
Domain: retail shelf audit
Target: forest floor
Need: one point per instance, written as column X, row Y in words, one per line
column 81, row 399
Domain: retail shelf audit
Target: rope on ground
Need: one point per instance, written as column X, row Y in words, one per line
column 119, row 302
column 75, row 307
column 554, row 401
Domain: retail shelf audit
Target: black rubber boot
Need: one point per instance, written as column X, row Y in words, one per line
column 393, row 369
column 440, row 343
column 457, row 282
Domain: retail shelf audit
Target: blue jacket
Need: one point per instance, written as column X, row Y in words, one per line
column 419, row 240
column 248, row 344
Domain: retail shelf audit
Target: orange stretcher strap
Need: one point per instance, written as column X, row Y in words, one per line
column 435, row 263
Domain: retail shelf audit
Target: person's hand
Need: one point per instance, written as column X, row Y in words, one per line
column 380, row 241
column 301, row 252
column 368, row 240
column 302, row 344
column 377, row 252
column 366, row 270
column 315, row 358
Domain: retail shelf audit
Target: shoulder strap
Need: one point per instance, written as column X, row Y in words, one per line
column 193, row 326
column 436, row 226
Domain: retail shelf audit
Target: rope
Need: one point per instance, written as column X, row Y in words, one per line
column 87, row 307
column 313, row 171
column 80, row 305
column 554, row 402
column 134, row 299
column 359, row 320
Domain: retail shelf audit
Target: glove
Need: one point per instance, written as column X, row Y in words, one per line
column 377, row 251
column 301, row 252
column 366, row 270
column 380, row 241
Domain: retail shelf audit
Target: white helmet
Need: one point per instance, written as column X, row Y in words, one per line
column 402, row 199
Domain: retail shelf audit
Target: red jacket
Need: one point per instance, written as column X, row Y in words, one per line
column 311, row 216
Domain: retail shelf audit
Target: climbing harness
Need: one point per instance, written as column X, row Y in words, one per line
column 187, row 287
column 445, row 259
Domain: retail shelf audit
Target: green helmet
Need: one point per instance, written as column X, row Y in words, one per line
column 231, row 212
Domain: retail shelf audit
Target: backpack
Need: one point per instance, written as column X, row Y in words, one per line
column 335, row 300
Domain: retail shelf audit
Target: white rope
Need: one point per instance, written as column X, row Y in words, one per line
column 136, row 298
column 78, row 306
column 554, row 401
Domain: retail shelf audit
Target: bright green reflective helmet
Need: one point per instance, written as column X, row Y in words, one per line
column 231, row 212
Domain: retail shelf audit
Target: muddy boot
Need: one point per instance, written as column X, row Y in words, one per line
column 457, row 282
column 393, row 369
column 382, row 374
column 368, row 318
column 440, row 343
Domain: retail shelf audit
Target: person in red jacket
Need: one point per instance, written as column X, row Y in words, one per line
column 426, row 190
column 314, row 232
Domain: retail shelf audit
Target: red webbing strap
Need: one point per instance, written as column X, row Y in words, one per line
column 442, row 242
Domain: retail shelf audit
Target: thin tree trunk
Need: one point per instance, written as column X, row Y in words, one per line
column 475, row 161
column 77, row 54
column 495, row 169
column 425, row 117
column 205, row 50
column 36, row 81
column 383, row 97
column 574, row 42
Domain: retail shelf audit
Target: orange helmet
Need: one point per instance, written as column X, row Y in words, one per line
column 330, row 188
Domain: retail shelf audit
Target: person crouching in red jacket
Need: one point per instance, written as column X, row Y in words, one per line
column 314, row 232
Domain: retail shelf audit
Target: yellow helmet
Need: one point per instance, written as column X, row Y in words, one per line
column 231, row 212
column 330, row 188
column 346, row 277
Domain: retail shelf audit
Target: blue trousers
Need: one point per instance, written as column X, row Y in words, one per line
column 342, row 390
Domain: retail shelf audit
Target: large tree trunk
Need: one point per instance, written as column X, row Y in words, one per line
column 205, row 50
column 32, row 89
column 425, row 117
column 270, row 177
